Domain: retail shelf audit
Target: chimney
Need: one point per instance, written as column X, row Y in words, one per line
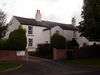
column 73, row 21
column 38, row 16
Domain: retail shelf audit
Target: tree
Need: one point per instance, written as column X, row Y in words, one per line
column 90, row 26
column 73, row 44
column 3, row 44
column 58, row 41
column 17, row 39
column 3, row 27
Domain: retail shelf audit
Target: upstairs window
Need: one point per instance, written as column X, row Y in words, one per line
column 30, row 42
column 30, row 30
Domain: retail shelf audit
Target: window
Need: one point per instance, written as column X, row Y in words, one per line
column 30, row 42
column 30, row 30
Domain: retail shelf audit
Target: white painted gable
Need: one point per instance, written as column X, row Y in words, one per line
column 68, row 34
column 13, row 25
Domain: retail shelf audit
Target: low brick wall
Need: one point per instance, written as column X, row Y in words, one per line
column 6, row 55
column 59, row 54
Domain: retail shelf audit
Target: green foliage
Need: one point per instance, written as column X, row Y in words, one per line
column 92, row 51
column 3, row 44
column 91, row 20
column 73, row 44
column 3, row 27
column 17, row 40
column 44, row 51
column 58, row 41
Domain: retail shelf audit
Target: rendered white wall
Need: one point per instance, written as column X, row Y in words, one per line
column 37, row 36
column 13, row 25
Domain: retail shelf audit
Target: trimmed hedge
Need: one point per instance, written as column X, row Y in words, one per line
column 92, row 51
column 45, row 51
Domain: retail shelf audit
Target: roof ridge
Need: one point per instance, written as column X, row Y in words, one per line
column 23, row 17
column 43, row 23
column 42, row 20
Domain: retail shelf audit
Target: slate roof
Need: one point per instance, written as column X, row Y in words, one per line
column 47, row 24
column 25, row 21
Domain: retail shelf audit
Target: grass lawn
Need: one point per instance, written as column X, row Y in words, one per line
column 8, row 65
column 91, row 61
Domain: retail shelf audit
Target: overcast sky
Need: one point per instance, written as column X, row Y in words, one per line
column 53, row 10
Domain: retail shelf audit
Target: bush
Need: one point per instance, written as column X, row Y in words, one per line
column 92, row 51
column 3, row 44
column 17, row 40
column 45, row 51
column 73, row 44
column 58, row 41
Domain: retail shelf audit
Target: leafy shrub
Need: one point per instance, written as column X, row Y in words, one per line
column 58, row 41
column 73, row 44
column 72, row 47
column 17, row 40
column 3, row 44
column 44, row 50
column 90, row 51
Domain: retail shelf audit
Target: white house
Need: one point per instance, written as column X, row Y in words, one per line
column 39, row 31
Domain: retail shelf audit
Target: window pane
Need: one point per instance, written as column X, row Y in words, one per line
column 30, row 32
column 30, row 29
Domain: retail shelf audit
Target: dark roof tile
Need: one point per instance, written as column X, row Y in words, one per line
column 47, row 24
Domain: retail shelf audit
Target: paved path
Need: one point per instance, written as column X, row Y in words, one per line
column 39, row 66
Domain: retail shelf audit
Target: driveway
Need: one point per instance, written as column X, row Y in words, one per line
column 39, row 66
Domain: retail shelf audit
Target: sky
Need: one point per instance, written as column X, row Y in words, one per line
column 60, row 11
